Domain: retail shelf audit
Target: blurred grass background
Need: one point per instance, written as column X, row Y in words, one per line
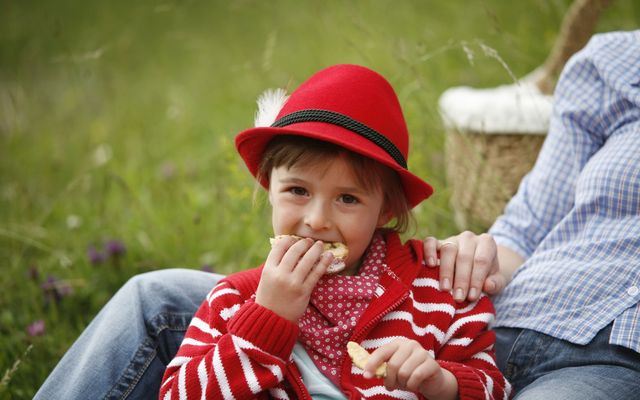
column 117, row 122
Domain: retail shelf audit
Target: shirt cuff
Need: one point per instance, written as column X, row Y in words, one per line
column 470, row 385
column 264, row 329
column 503, row 238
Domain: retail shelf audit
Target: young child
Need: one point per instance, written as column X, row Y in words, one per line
column 334, row 166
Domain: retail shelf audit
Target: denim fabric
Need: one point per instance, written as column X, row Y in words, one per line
column 122, row 354
column 542, row 367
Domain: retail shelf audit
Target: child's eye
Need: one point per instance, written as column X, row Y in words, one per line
column 349, row 199
column 298, row 191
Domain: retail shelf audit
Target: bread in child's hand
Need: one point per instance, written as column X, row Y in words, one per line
column 339, row 251
column 359, row 356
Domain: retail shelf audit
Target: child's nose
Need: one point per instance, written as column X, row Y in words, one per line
column 318, row 216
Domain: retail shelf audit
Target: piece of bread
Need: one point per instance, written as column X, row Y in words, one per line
column 359, row 356
column 339, row 251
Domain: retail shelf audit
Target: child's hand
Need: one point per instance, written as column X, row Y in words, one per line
column 410, row 367
column 289, row 275
column 468, row 264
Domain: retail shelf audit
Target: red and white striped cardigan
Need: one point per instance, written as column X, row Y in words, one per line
column 237, row 349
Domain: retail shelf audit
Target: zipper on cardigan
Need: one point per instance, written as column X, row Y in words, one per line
column 297, row 382
column 374, row 321
column 362, row 332
column 380, row 315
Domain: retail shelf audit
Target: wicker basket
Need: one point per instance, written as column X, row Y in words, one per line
column 488, row 148
column 483, row 171
column 493, row 139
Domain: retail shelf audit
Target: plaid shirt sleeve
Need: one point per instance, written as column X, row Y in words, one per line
column 576, row 215
column 577, row 130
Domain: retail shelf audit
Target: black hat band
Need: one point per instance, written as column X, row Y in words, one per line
column 334, row 118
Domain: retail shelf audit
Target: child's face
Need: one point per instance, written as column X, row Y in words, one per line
column 325, row 202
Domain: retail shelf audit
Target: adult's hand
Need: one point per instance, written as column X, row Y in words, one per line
column 468, row 264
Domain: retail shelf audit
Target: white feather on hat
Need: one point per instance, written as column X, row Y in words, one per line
column 270, row 102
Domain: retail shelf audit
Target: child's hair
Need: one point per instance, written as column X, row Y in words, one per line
column 289, row 151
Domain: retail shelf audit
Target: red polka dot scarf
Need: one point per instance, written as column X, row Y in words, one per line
column 337, row 302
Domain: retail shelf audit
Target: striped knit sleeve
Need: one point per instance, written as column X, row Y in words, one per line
column 468, row 352
column 233, row 348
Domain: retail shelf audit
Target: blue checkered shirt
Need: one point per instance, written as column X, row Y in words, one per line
column 576, row 215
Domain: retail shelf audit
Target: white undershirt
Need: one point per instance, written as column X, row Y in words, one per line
column 318, row 385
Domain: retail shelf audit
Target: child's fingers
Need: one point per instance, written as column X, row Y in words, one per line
column 278, row 250
column 422, row 375
column 293, row 255
column 379, row 356
column 306, row 263
column 430, row 245
column 397, row 374
column 416, row 370
column 319, row 269
column 408, row 365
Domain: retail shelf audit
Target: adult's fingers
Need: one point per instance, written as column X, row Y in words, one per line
column 448, row 252
column 484, row 263
column 495, row 283
column 430, row 245
column 464, row 265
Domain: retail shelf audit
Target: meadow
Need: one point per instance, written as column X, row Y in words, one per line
column 117, row 122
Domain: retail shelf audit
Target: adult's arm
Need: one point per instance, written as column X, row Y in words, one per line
column 508, row 261
column 545, row 196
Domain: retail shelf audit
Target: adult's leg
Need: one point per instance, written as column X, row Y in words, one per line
column 540, row 366
column 604, row 382
column 123, row 352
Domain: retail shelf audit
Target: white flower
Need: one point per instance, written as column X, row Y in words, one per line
column 73, row 222
column 102, row 154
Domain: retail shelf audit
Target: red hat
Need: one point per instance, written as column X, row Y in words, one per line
column 348, row 105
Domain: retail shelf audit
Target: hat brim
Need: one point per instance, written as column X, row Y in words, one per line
column 252, row 142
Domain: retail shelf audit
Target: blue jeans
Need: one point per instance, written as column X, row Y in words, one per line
column 542, row 367
column 122, row 354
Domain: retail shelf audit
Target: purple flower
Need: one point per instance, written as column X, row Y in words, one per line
column 114, row 248
column 36, row 328
column 50, row 283
column 55, row 289
column 168, row 170
column 63, row 289
column 207, row 268
column 95, row 257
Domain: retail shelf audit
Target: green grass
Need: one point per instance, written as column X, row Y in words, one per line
column 121, row 115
